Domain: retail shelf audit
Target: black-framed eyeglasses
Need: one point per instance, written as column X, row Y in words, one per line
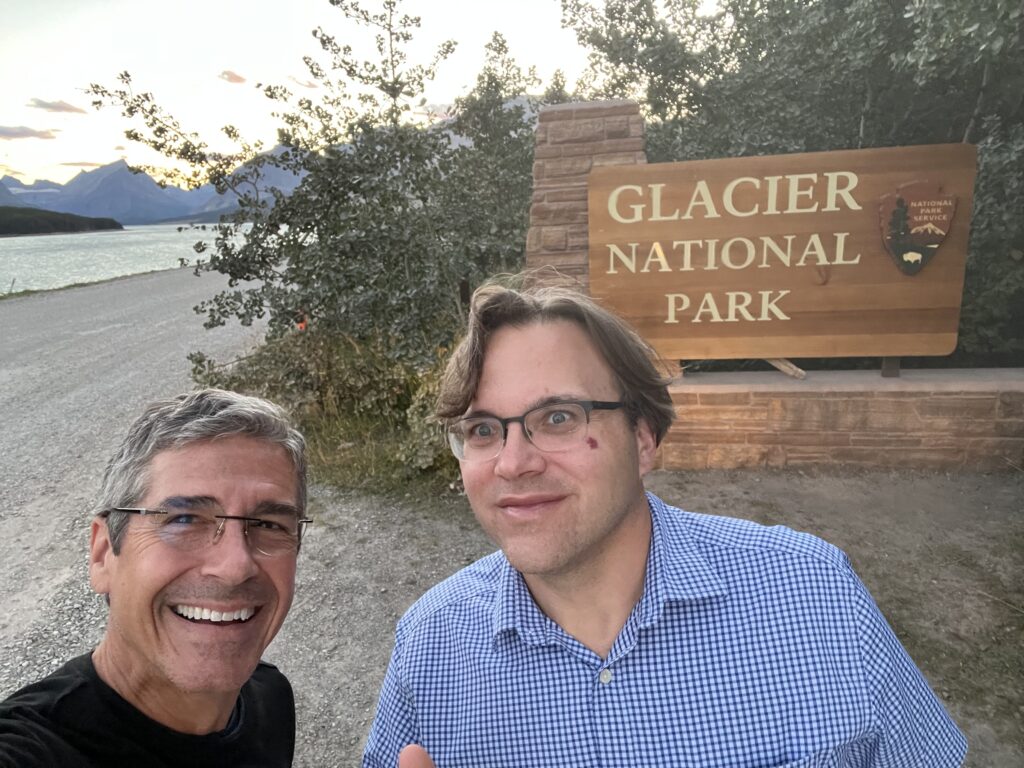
column 196, row 530
column 553, row 428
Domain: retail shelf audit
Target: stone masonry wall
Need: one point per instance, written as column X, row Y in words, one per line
column 571, row 140
column 936, row 419
column 940, row 419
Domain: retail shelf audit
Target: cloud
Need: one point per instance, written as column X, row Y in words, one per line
column 84, row 165
column 304, row 84
column 6, row 170
column 55, row 106
column 231, row 77
column 22, row 132
column 119, row 148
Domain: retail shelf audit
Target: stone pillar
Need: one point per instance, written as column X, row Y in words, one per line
column 571, row 140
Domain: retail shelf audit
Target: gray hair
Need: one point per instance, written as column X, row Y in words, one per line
column 632, row 361
column 194, row 417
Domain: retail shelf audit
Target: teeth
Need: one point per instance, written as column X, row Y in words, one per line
column 195, row 613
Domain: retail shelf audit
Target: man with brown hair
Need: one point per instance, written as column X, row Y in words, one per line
column 612, row 629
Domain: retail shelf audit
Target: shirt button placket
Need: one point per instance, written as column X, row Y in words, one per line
column 606, row 676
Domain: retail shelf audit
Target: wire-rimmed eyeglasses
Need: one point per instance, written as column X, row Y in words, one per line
column 553, row 427
column 196, row 530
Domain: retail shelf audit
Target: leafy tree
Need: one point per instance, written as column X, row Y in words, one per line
column 392, row 222
column 556, row 92
column 994, row 287
column 662, row 60
column 486, row 195
column 390, row 217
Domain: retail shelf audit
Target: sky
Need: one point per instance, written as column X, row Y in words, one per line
column 202, row 59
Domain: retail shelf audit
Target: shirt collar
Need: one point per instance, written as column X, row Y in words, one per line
column 676, row 571
column 515, row 608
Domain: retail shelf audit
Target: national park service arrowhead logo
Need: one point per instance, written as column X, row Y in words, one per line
column 914, row 222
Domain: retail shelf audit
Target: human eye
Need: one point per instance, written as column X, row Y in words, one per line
column 558, row 417
column 269, row 526
column 184, row 519
column 481, row 431
column 180, row 514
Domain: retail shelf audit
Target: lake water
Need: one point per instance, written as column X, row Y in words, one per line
column 40, row 262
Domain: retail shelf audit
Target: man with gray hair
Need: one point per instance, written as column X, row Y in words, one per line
column 194, row 545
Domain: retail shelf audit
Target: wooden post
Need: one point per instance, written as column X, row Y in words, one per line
column 890, row 367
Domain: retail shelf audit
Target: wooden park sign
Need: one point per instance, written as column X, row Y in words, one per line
column 832, row 254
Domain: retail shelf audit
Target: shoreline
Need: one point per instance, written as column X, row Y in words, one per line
column 68, row 232
column 122, row 228
column 33, row 291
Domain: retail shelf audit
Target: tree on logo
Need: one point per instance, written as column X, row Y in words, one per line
column 899, row 228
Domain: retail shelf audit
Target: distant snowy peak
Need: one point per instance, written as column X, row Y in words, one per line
column 114, row 191
column 7, row 197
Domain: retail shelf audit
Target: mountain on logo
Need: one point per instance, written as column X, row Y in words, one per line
column 927, row 229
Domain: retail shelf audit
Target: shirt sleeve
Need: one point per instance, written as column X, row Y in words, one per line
column 395, row 723
column 25, row 744
column 913, row 726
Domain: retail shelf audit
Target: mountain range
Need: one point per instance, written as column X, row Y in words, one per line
column 114, row 191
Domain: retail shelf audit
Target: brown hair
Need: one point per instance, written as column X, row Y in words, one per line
column 495, row 305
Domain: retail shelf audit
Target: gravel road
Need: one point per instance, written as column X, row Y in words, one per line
column 941, row 553
column 76, row 366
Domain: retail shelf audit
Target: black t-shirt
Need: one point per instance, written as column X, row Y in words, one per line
column 72, row 718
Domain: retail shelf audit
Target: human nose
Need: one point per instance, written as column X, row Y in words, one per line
column 230, row 557
column 518, row 456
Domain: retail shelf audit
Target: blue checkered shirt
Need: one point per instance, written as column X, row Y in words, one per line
column 750, row 647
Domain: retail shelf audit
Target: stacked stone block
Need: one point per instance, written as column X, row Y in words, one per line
column 572, row 139
column 925, row 419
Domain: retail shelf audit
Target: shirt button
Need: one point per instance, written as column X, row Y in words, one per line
column 606, row 676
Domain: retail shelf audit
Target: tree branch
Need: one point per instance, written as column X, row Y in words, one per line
column 986, row 73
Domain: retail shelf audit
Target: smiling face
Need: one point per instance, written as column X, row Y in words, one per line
column 152, row 653
column 566, row 514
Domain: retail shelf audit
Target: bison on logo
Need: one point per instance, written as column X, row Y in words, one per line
column 914, row 222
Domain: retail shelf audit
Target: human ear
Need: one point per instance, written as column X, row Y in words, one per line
column 646, row 446
column 101, row 557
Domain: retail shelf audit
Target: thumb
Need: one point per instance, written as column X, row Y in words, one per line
column 414, row 756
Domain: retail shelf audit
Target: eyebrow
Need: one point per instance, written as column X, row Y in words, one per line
column 277, row 508
column 266, row 508
column 188, row 502
column 538, row 403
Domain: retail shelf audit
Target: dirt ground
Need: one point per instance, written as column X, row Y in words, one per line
column 943, row 555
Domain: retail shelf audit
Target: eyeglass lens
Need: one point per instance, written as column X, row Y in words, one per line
column 196, row 531
column 554, row 427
